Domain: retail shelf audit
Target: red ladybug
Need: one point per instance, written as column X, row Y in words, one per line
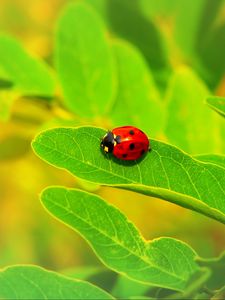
column 127, row 143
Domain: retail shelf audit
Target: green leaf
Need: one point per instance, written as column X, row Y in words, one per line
column 212, row 47
column 174, row 17
column 141, row 298
column 126, row 21
column 5, row 80
column 190, row 124
column 125, row 288
column 216, row 266
column 83, row 273
column 165, row 172
column 212, row 158
column 186, row 32
column 84, row 61
column 32, row 282
column 99, row 276
column 105, row 280
column 162, row 262
column 30, row 76
column 160, row 8
column 217, row 103
column 195, row 284
column 202, row 296
column 137, row 98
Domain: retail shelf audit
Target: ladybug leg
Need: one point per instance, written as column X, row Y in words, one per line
column 106, row 155
column 101, row 138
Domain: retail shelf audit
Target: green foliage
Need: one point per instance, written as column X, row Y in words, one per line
column 137, row 30
column 186, row 123
column 133, row 69
column 218, row 104
column 29, row 76
column 31, row 282
column 125, row 288
column 85, row 68
column 115, row 60
column 212, row 158
column 21, row 75
column 165, row 172
column 217, row 267
column 198, row 43
column 100, row 276
column 162, row 262
column 83, row 273
column 184, row 32
column 212, row 47
column 195, row 284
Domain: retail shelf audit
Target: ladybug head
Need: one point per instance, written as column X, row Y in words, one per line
column 108, row 142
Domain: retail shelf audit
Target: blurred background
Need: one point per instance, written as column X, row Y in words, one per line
column 171, row 35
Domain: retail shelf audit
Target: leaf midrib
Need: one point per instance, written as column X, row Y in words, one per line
column 113, row 240
column 186, row 172
column 131, row 182
column 83, row 162
column 97, row 168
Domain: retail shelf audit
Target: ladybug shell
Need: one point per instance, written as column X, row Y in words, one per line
column 132, row 143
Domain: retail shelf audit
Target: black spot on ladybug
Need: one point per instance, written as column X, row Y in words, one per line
column 124, row 155
column 142, row 151
column 132, row 146
column 131, row 132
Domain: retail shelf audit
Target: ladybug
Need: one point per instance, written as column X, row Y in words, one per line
column 126, row 143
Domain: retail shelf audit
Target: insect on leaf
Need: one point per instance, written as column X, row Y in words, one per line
column 165, row 172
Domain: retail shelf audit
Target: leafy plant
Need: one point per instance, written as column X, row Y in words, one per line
column 118, row 243
column 218, row 104
column 32, row 282
column 156, row 175
column 93, row 82
column 21, row 75
column 109, row 81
